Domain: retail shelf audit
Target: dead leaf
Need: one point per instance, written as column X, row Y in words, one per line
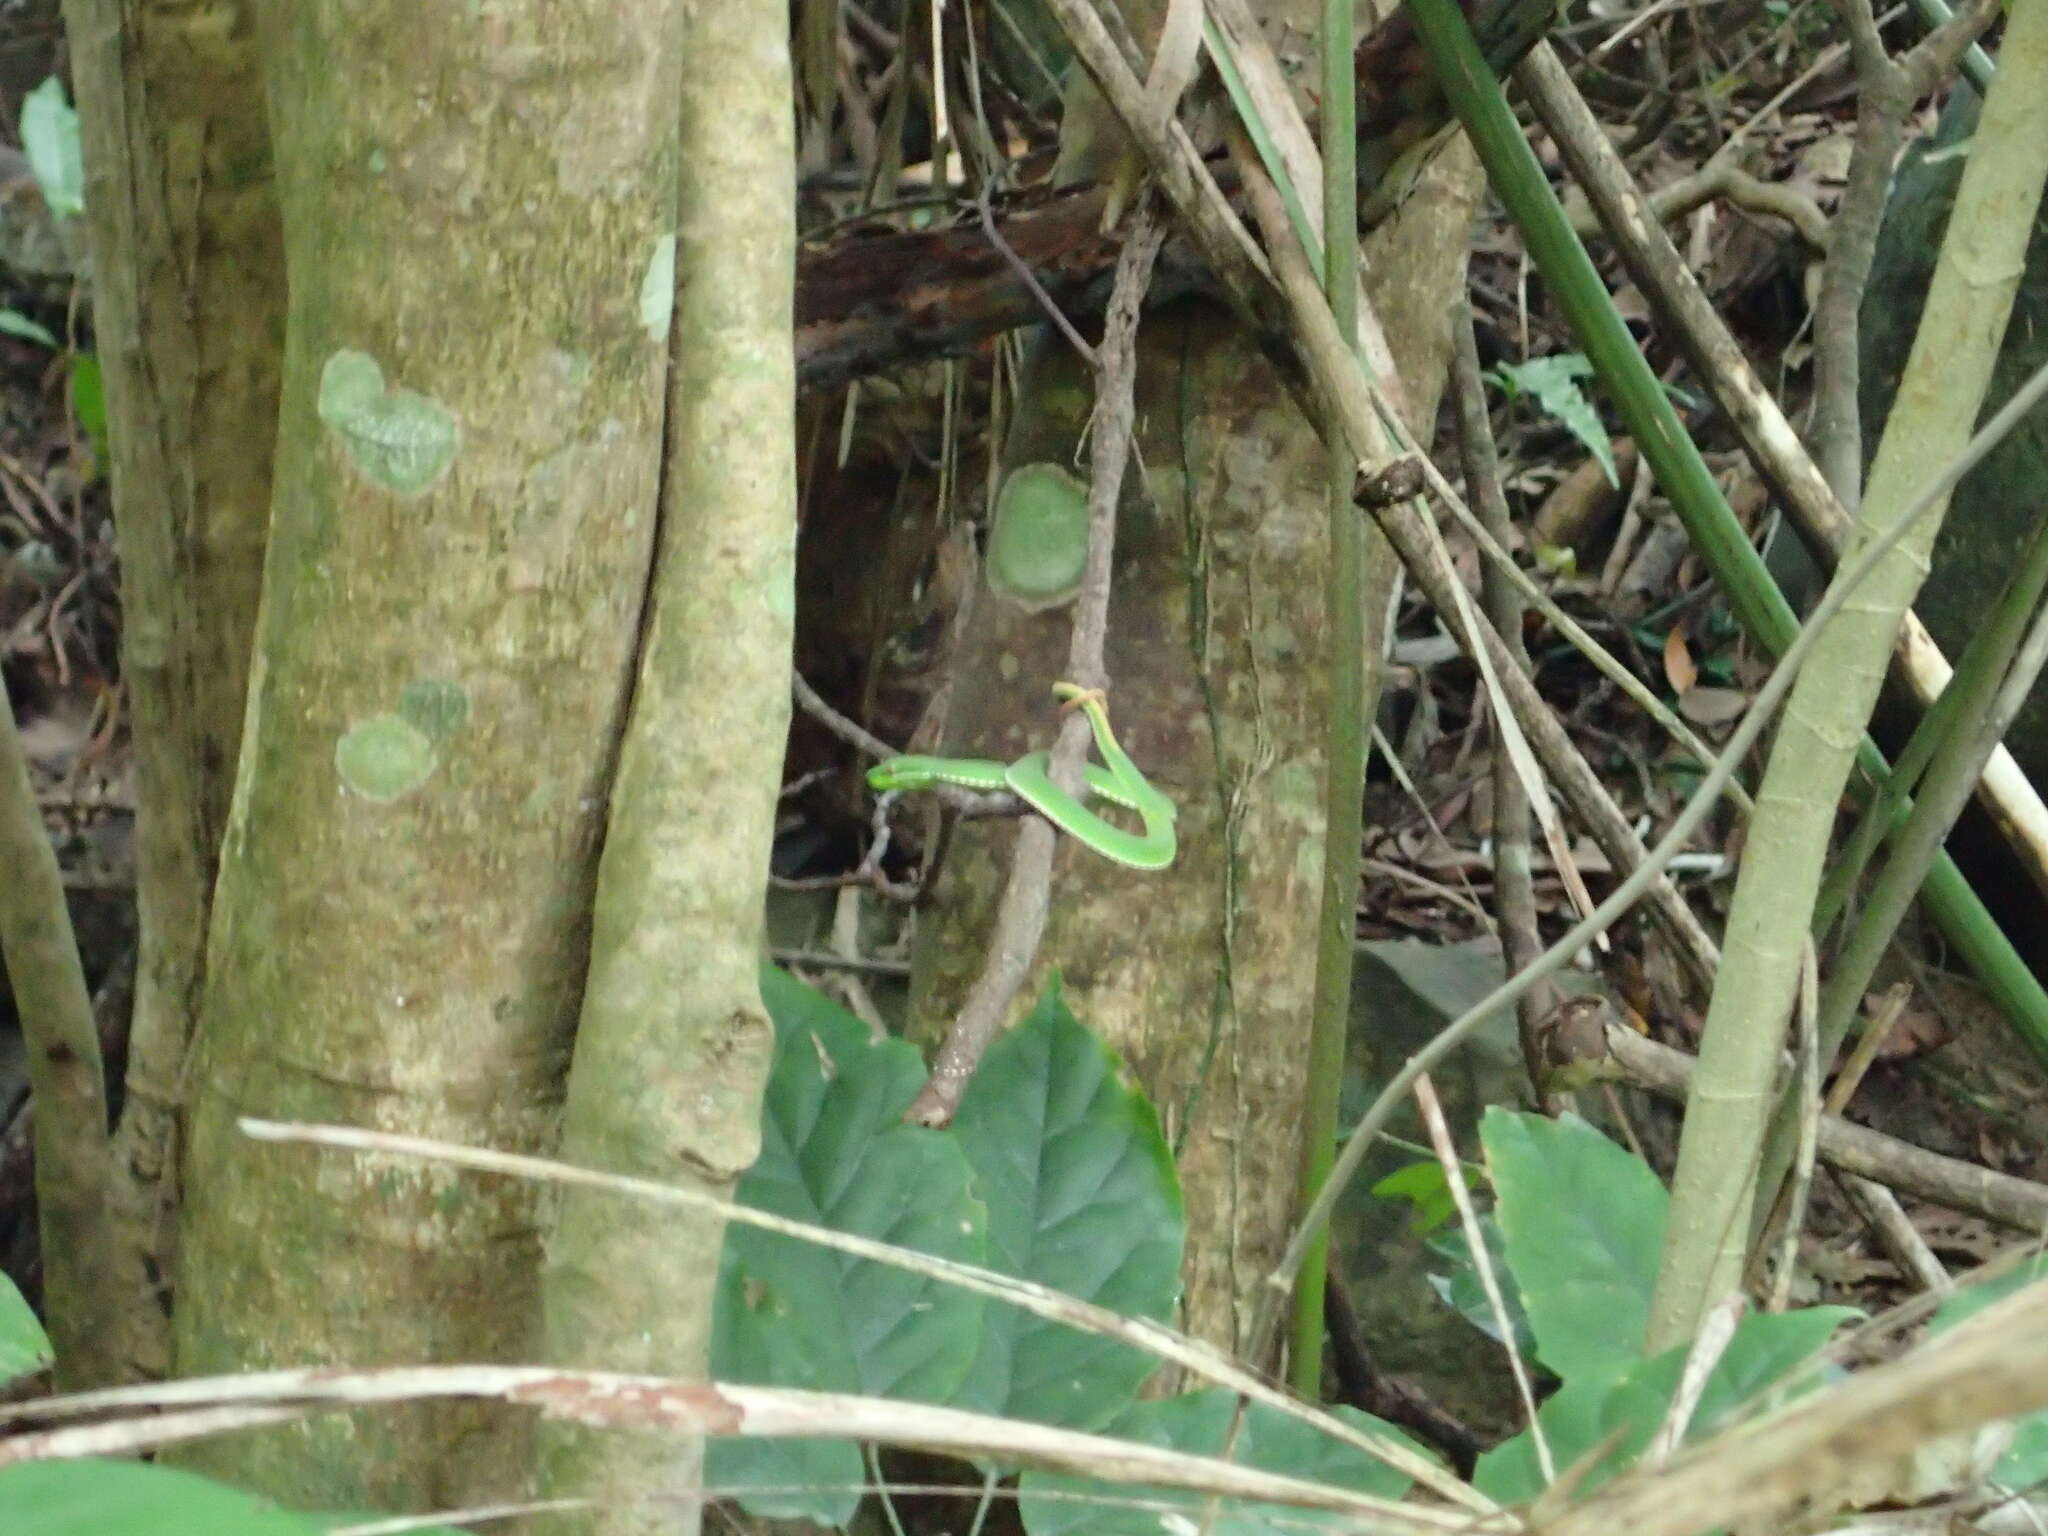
column 1712, row 706
column 1679, row 670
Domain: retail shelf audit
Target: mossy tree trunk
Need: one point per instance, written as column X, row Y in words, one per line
column 1218, row 661
column 476, row 210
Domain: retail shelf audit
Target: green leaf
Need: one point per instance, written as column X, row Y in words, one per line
column 1081, row 1196
column 49, row 136
column 1424, row 1186
column 835, row 1152
column 1554, row 382
column 1199, row 1424
column 1617, row 1414
column 1584, row 1224
column 14, row 323
column 1461, row 1291
column 24, row 1347
column 101, row 1498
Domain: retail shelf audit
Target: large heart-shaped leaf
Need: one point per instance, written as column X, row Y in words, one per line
column 835, row 1152
column 1081, row 1196
column 1584, row 1225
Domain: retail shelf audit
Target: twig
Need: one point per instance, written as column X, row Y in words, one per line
column 1029, row 278
column 1482, row 1262
column 1513, row 883
column 851, row 732
column 1843, row 1145
column 1027, row 898
column 1198, row 1360
column 1720, row 178
column 65, row 1070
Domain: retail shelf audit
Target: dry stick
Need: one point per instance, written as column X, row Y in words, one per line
column 1027, row 898
column 1723, row 179
column 1198, row 1360
column 1811, row 1453
column 1712, row 352
column 1415, row 540
column 1327, row 351
column 1482, row 1262
column 1514, row 885
column 1808, row 1077
column 1843, row 1145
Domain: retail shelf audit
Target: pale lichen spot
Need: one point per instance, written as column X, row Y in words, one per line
column 397, row 438
column 1038, row 538
column 384, row 758
column 658, row 289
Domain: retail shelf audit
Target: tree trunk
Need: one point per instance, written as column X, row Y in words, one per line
column 674, row 1044
column 1218, row 659
column 466, row 465
column 188, row 317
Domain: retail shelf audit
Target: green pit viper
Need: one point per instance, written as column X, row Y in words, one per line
column 1120, row 783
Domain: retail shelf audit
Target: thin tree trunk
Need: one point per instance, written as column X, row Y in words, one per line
column 466, row 470
column 188, row 316
column 674, row 1043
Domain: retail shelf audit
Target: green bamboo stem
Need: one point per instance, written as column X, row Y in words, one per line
column 1968, row 303
column 1344, row 771
column 1758, row 606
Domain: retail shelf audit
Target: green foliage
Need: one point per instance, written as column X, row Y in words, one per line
column 24, row 1347
column 835, row 1152
column 1462, row 1291
column 1580, row 1226
column 1198, row 1424
column 1554, row 382
column 1424, row 1186
column 1616, row 1414
column 89, row 403
column 97, row 1498
column 1053, row 1171
column 1082, row 1197
column 1584, row 1227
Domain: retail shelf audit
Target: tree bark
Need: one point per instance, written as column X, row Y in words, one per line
column 466, row 461
column 674, row 1043
column 188, row 318
column 1218, row 656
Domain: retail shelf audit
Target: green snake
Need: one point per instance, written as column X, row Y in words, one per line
column 1120, row 783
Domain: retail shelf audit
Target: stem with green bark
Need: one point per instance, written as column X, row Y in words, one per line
column 1968, row 303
